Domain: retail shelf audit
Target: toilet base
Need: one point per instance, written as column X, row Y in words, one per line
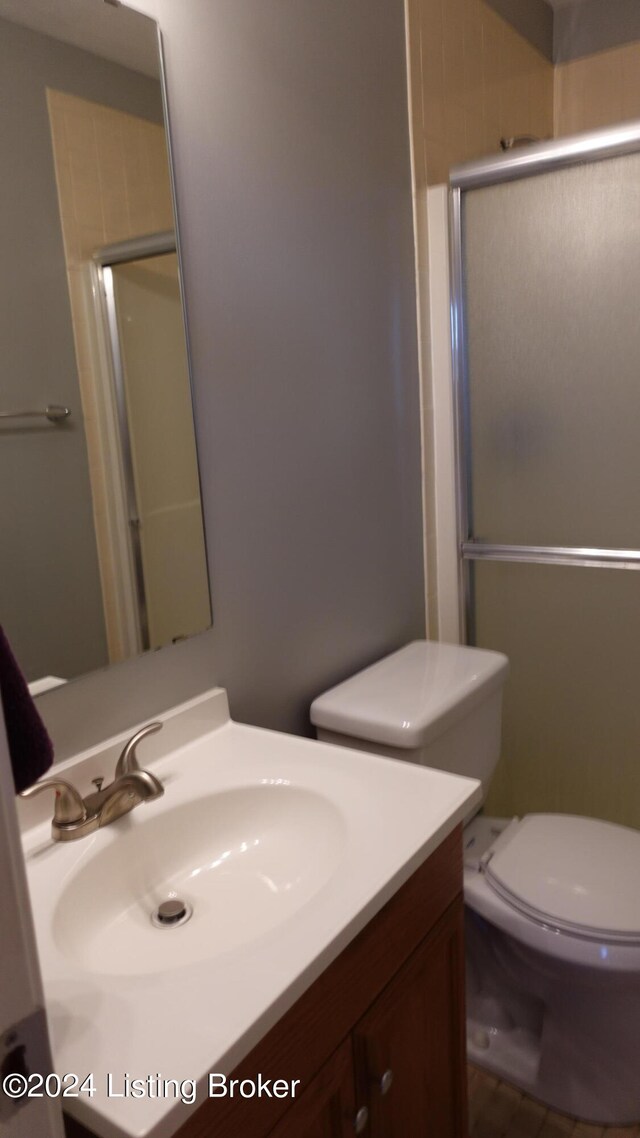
column 510, row 1053
column 564, row 1035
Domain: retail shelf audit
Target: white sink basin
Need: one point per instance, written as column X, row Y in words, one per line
column 242, row 860
column 284, row 848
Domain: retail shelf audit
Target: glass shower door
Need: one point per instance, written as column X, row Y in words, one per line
column 550, row 276
column 158, row 435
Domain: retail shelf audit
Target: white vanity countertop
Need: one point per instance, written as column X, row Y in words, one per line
column 126, row 998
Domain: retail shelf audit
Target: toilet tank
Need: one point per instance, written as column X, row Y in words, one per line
column 435, row 704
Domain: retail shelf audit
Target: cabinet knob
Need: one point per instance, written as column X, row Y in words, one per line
column 386, row 1081
column 361, row 1120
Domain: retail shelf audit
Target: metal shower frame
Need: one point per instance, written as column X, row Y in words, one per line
column 539, row 158
column 128, row 252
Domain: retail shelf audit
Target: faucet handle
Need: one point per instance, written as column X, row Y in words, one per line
column 69, row 807
column 128, row 760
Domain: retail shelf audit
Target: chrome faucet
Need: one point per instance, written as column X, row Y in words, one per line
column 76, row 817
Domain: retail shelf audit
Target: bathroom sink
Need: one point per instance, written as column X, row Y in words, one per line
column 279, row 850
column 241, row 861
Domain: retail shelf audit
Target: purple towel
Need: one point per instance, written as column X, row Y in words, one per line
column 30, row 747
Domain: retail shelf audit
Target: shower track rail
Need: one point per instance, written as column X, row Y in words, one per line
column 552, row 555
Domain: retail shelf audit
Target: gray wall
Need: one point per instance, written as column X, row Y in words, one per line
column 50, row 599
column 290, row 133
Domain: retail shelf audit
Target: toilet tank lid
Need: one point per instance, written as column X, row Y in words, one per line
column 412, row 696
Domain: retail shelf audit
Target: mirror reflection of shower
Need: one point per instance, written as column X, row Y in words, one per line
column 154, row 476
column 83, row 114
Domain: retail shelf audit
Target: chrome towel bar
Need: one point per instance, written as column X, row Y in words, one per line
column 54, row 413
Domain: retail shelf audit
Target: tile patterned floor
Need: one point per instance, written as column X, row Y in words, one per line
column 497, row 1110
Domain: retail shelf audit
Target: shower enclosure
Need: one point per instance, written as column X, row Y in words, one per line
column 546, row 339
column 154, row 475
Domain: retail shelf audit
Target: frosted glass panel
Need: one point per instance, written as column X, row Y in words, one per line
column 571, row 724
column 553, row 322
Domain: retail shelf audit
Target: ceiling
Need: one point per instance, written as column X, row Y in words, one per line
column 585, row 27
column 108, row 30
column 563, row 30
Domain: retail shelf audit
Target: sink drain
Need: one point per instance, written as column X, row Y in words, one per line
column 171, row 913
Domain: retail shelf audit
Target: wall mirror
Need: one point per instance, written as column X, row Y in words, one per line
column 103, row 551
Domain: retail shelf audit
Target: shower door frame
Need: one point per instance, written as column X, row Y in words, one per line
column 122, row 253
column 539, row 158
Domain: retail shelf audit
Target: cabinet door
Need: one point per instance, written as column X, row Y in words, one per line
column 410, row 1047
column 326, row 1108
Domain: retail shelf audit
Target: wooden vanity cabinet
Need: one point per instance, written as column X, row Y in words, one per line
column 327, row 1107
column 409, row 1048
column 378, row 1040
column 402, row 1066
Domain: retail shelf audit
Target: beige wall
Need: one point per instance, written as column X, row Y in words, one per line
column 113, row 183
column 474, row 79
column 112, row 175
column 598, row 90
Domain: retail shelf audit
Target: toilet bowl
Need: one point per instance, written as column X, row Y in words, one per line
column 553, row 961
column 552, row 906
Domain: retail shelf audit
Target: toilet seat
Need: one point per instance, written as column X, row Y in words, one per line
column 570, row 874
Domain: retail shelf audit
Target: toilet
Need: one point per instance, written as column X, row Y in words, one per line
column 552, row 901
